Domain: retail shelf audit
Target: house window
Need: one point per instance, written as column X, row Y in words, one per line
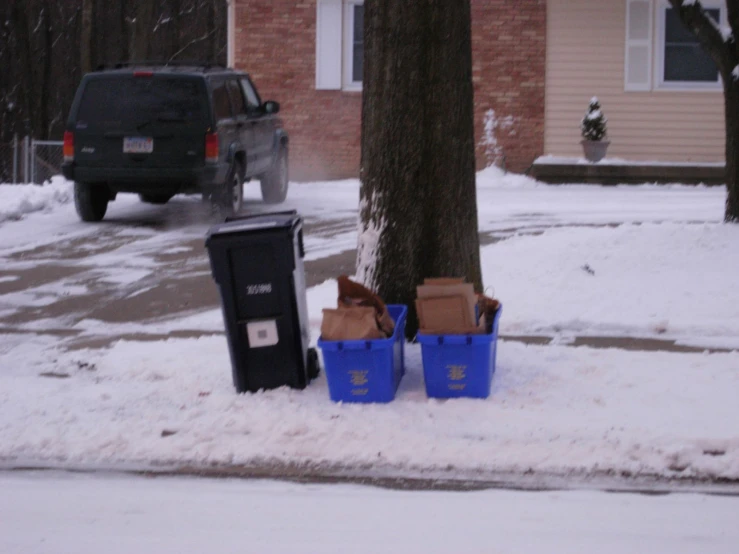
column 339, row 44
column 353, row 44
column 684, row 62
column 661, row 54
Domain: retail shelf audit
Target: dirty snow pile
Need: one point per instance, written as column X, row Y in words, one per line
column 18, row 200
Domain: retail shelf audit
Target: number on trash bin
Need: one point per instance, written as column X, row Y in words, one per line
column 262, row 288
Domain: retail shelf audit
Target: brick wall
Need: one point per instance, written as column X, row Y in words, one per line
column 508, row 72
column 275, row 44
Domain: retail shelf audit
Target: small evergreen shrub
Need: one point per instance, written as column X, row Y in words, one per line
column 593, row 126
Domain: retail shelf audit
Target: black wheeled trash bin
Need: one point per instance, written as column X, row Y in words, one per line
column 257, row 263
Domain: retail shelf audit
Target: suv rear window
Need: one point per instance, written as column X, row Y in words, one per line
column 118, row 100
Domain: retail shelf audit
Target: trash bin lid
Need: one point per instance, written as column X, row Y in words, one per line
column 256, row 223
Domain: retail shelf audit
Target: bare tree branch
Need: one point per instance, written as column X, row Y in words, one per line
column 192, row 42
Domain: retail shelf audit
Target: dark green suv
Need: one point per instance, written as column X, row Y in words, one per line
column 161, row 130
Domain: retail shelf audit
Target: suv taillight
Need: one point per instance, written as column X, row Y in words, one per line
column 211, row 147
column 68, row 146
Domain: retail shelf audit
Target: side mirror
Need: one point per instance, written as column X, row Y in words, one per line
column 270, row 106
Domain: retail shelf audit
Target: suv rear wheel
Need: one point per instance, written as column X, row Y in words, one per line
column 274, row 182
column 91, row 201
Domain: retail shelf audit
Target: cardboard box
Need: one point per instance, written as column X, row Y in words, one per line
column 447, row 306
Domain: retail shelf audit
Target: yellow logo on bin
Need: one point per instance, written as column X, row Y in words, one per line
column 358, row 377
column 456, row 372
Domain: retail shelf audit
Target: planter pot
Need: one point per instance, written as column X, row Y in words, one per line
column 595, row 150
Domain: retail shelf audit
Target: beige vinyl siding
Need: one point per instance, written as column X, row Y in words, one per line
column 586, row 41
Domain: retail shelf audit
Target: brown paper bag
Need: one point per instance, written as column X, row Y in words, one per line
column 354, row 294
column 487, row 307
column 350, row 323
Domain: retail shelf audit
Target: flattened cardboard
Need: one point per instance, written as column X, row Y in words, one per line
column 442, row 312
column 481, row 329
column 465, row 291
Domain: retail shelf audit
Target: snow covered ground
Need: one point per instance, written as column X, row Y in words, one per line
column 52, row 513
column 18, row 200
column 568, row 262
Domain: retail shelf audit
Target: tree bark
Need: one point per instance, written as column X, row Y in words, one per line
column 124, row 26
column 731, row 106
column 176, row 7
column 418, row 205
column 86, row 37
column 141, row 31
column 47, row 61
column 20, row 21
column 212, row 36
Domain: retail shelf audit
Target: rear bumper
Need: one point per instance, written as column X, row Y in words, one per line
column 147, row 179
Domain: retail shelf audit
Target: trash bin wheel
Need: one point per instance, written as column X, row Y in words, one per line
column 314, row 369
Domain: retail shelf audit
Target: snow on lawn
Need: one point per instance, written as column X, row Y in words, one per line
column 115, row 514
column 666, row 279
column 553, row 409
column 574, row 260
column 18, row 200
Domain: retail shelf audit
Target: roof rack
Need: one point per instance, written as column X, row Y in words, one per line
column 163, row 63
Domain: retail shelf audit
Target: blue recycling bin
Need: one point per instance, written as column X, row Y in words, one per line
column 459, row 365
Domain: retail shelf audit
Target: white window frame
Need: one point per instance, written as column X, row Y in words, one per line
column 347, row 81
column 660, row 17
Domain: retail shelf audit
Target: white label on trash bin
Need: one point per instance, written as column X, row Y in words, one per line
column 262, row 333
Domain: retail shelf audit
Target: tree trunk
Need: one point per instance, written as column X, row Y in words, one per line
column 124, row 24
column 731, row 103
column 212, row 34
column 725, row 52
column 141, row 31
column 418, row 205
column 47, row 61
column 27, row 80
column 86, row 37
column 176, row 8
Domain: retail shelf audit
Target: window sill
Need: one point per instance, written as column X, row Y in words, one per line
column 687, row 87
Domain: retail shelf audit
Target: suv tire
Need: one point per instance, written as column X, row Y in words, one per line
column 155, row 198
column 91, row 201
column 230, row 198
column 274, row 182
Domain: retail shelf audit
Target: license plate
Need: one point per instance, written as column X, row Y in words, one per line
column 138, row 145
